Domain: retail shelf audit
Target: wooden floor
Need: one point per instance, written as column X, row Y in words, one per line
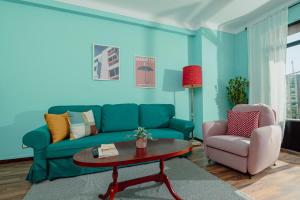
column 12, row 180
column 278, row 182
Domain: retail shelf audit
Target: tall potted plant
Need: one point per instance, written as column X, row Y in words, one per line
column 237, row 91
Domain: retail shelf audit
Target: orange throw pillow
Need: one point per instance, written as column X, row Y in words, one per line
column 58, row 125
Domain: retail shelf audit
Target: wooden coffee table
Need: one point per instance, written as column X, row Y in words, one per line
column 157, row 150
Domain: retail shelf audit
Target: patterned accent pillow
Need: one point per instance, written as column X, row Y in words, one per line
column 242, row 123
column 82, row 124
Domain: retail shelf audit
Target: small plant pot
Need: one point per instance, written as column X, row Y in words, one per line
column 140, row 152
column 141, row 143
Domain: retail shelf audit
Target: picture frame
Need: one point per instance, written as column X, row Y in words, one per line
column 106, row 62
column 145, row 71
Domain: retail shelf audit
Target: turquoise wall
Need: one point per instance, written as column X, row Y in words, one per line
column 214, row 51
column 241, row 54
column 46, row 60
column 195, row 58
column 218, row 66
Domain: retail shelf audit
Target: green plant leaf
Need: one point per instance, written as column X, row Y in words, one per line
column 237, row 90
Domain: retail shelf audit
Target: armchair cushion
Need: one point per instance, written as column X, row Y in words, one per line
column 266, row 114
column 242, row 123
column 233, row 144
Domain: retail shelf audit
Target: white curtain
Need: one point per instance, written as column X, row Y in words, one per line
column 267, row 56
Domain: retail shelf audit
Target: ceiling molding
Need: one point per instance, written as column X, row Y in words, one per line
column 87, row 12
column 199, row 10
column 100, row 6
column 271, row 12
column 260, row 17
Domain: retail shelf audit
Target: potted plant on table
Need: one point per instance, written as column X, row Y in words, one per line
column 141, row 137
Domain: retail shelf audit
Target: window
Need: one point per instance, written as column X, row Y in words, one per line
column 293, row 72
column 113, row 56
column 114, row 73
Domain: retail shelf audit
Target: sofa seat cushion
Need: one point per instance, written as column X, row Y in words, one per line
column 120, row 117
column 68, row 148
column 165, row 133
column 233, row 144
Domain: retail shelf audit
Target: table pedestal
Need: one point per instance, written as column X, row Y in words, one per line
column 116, row 186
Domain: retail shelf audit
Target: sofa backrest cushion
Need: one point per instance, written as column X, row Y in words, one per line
column 119, row 117
column 156, row 115
column 79, row 108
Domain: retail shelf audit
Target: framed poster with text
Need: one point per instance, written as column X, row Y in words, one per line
column 145, row 72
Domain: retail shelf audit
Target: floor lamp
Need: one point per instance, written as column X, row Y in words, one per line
column 192, row 78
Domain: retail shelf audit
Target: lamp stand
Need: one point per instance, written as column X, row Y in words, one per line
column 193, row 141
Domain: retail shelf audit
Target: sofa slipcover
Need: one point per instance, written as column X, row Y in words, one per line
column 118, row 122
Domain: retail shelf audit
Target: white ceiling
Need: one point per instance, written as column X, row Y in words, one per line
column 226, row 15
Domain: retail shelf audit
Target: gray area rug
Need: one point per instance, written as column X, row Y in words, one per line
column 189, row 181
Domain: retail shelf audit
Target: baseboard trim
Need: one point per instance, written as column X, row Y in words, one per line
column 16, row 160
column 297, row 153
column 198, row 139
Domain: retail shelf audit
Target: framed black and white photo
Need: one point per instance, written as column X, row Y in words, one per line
column 106, row 62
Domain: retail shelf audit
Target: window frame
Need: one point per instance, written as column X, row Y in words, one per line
column 289, row 45
column 295, row 43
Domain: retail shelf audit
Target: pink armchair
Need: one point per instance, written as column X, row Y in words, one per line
column 248, row 155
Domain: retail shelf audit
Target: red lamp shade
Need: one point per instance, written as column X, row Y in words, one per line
column 192, row 76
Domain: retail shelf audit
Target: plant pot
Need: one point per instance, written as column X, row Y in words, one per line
column 141, row 143
column 140, row 152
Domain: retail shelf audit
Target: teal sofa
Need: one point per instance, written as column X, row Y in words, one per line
column 115, row 124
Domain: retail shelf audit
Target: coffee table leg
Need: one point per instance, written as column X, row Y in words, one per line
column 115, row 187
column 112, row 188
column 164, row 179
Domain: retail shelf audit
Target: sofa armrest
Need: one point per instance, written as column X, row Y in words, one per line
column 264, row 148
column 184, row 126
column 38, row 139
